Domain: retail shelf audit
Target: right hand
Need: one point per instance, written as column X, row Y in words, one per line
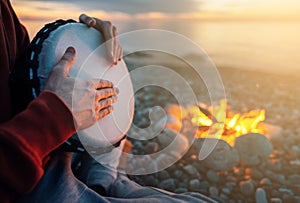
column 88, row 100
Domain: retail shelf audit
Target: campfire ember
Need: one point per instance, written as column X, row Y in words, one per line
column 201, row 116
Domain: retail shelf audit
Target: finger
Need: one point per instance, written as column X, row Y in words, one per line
column 106, row 28
column 104, row 112
column 106, row 103
column 120, row 53
column 116, row 44
column 89, row 21
column 66, row 62
column 106, row 93
column 99, row 84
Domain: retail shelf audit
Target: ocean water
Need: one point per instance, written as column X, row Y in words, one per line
column 272, row 47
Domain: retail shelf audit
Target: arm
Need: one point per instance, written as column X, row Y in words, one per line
column 27, row 139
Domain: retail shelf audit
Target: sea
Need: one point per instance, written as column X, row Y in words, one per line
column 263, row 46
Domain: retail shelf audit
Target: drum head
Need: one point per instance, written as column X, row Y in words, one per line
column 91, row 63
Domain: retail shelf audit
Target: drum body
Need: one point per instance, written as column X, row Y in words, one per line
column 90, row 63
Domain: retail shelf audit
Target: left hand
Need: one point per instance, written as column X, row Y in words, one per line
column 109, row 32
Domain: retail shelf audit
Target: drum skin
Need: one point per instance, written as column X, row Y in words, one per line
column 91, row 63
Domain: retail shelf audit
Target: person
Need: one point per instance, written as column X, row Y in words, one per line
column 31, row 169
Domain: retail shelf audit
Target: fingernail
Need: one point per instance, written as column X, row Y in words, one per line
column 117, row 90
column 91, row 22
column 70, row 50
column 110, row 108
column 119, row 59
column 115, row 63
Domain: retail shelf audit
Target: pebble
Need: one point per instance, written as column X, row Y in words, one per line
column 213, row 190
column 204, row 185
column 285, row 190
column 177, row 174
column 253, row 148
column 294, row 179
column 247, row 187
column 260, row 196
column 194, row 184
column 180, row 190
column 168, row 184
column 254, row 173
column 162, row 175
column 226, row 190
column 275, row 200
column 265, row 181
column 190, row 169
column 151, row 147
column 223, row 157
column 212, row 176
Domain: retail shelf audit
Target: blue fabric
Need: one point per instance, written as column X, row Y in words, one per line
column 60, row 185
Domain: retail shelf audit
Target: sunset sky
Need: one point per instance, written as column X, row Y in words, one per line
column 161, row 9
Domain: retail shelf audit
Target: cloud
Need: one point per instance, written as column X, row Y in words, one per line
column 132, row 6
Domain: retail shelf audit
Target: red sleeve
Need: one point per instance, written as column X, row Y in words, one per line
column 28, row 138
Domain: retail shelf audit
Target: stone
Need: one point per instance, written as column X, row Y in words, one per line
column 265, row 181
column 190, row 169
column 226, row 190
column 260, row 196
column 247, row 187
column 151, row 181
column 180, row 190
column 204, row 185
column 213, row 191
column 222, row 157
column 253, row 148
column 294, row 179
column 254, row 173
column 275, row 200
column 151, row 147
column 169, row 184
column 162, row 175
column 177, row 174
column 285, row 190
column 212, row 176
column 194, row 184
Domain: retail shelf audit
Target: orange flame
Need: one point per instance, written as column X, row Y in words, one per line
column 211, row 125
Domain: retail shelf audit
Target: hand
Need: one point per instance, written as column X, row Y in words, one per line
column 88, row 100
column 109, row 32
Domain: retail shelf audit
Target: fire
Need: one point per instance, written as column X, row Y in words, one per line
column 210, row 125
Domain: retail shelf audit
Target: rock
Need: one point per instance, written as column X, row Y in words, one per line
column 172, row 141
column 294, row 179
column 180, row 190
column 286, row 191
column 226, row 191
column 204, row 185
column 297, row 198
column 151, row 181
column 212, row 176
column 265, row 181
column 253, row 148
column 213, row 191
column 275, row 177
column 151, row 147
column 190, row 169
column 177, row 174
column 247, row 187
column 163, row 175
column 194, row 184
column 223, row 156
column 254, row 173
column 260, row 196
column 275, row 200
column 169, row 184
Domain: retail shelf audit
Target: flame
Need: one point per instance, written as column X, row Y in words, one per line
column 210, row 124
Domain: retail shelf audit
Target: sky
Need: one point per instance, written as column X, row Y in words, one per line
column 161, row 9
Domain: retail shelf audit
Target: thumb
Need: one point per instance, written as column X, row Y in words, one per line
column 66, row 62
